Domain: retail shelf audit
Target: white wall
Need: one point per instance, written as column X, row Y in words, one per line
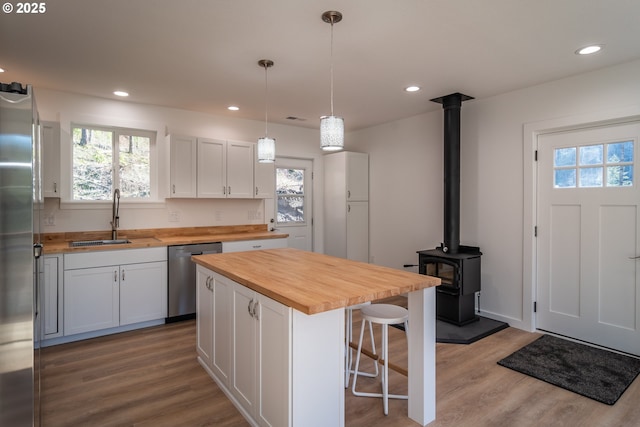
column 406, row 177
column 291, row 141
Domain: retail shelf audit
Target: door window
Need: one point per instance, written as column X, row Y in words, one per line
column 290, row 192
column 595, row 165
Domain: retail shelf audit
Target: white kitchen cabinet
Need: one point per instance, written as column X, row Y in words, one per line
column 261, row 351
column 240, row 169
column 276, row 350
column 182, row 166
column 346, row 206
column 107, row 289
column 225, row 169
column 91, row 299
column 50, row 159
column 265, row 179
column 204, row 316
column 51, row 306
column 253, row 245
column 213, row 320
column 244, row 342
column 143, row 292
column 212, row 168
column 357, row 243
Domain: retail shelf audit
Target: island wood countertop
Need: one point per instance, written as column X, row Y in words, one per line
column 311, row 282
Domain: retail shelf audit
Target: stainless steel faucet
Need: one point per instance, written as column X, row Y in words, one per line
column 115, row 219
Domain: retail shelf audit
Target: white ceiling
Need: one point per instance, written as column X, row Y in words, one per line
column 202, row 55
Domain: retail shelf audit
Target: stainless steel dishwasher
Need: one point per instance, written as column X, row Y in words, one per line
column 182, row 278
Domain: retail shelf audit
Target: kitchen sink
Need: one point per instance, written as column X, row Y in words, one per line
column 82, row 243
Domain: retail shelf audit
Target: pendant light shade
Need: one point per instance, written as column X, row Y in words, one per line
column 266, row 145
column 331, row 127
column 331, row 133
column 266, row 150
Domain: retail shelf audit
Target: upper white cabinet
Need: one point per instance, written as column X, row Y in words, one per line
column 265, row 179
column 50, row 159
column 225, row 169
column 346, row 206
column 213, row 168
column 183, row 152
column 240, row 169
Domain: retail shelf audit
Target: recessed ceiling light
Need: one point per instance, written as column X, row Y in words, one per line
column 1, row 70
column 233, row 108
column 120, row 93
column 588, row 50
column 412, row 88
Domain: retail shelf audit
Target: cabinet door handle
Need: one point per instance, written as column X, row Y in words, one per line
column 250, row 308
column 123, row 275
column 229, row 190
column 55, row 187
column 255, row 311
column 256, row 191
column 348, row 194
column 224, row 190
column 174, row 188
column 115, row 275
column 348, row 208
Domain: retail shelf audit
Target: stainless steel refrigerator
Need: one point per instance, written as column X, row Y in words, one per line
column 20, row 261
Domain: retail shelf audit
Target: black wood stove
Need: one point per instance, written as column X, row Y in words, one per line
column 457, row 266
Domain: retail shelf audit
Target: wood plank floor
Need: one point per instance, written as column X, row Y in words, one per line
column 151, row 377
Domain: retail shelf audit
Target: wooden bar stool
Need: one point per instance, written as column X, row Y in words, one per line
column 385, row 315
column 348, row 348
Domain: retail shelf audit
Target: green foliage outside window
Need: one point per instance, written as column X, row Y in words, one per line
column 100, row 165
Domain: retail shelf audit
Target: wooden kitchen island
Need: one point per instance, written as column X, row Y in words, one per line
column 271, row 330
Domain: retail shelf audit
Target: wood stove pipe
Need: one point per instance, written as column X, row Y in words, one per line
column 451, row 105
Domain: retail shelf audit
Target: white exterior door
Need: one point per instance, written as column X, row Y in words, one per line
column 588, row 222
column 294, row 201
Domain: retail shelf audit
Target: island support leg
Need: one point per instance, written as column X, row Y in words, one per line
column 422, row 356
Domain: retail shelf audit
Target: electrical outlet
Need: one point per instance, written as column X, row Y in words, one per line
column 174, row 216
column 49, row 220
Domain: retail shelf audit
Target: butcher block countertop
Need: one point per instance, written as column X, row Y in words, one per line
column 155, row 237
column 311, row 282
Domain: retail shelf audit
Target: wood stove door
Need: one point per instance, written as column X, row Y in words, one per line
column 588, row 234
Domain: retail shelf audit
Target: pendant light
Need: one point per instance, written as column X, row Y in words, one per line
column 331, row 127
column 266, row 145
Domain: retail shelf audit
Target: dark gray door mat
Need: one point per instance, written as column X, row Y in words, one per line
column 591, row 372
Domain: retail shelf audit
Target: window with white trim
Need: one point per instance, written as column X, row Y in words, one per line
column 106, row 158
column 594, row 165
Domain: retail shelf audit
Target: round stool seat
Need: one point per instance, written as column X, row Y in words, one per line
column 385, row 314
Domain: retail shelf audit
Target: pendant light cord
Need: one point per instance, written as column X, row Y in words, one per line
column 266, row 103
column 332, row 66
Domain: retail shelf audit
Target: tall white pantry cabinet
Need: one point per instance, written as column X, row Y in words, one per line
column 346, row 205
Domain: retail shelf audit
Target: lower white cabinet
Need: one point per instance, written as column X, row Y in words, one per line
column 246, row 344
column 214, row 323
column 91, row 299
column 51, row 305
column 253, row 245
column 107, row 289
